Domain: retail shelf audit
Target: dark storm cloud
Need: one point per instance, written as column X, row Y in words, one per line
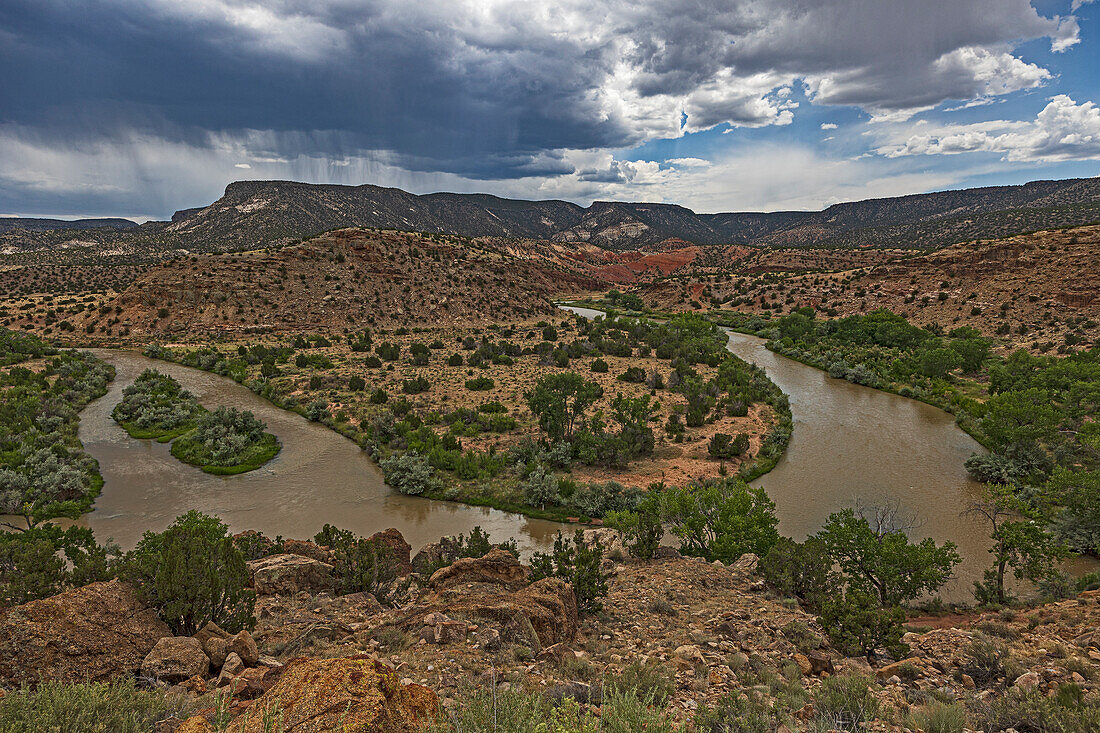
column 485, row 89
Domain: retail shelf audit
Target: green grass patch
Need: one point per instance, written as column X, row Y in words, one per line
column 189, row 450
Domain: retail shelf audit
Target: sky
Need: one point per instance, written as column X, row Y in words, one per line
column 141, row 107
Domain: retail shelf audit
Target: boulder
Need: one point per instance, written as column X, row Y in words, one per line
column 392, row 540
column 305, row 548
column 216, row 649
column 175, row 659
column 746, row 564
column 245, row 647
column 498, row 567
column 1028, row 681
column 334, row 695
column 288, row 574
column 233, row 666
column 821, row 663
column 488, row 638
column 97, row 632
column 428, row 557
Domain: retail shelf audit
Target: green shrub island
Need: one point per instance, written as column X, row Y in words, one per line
column 44, row 470
column 227, row 441
column 156, row 406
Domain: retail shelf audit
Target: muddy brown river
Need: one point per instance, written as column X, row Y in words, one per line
column 850, row 444
column 319, row 477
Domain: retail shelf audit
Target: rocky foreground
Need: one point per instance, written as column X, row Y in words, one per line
column 351, row 662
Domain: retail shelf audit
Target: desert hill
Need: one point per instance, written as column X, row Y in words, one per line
column 348, row 278
column 255, row 214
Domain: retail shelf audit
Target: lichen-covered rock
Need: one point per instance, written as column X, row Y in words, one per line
column 393, row 541
column 336, row 695
column 498, row 567
column 175, row 659
column 97, row 632
column 288, row 574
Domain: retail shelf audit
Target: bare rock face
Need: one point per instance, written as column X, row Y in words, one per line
column 498, row 567
column 333, row 695
column 288, row 574
column 392, row 540
column 495, row 588
column 92, row 633
column 175, row 659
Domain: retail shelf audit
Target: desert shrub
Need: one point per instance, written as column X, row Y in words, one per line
column 317, row 410
column 45, row 560
column 540, row 488
column 845, row 701
column 803, row 570
column 357, row 383
column 410, row 473
column 577, row 564
column 939, row 717
column 737, row 713
column 1068, row 711
column 192, row 573
column 92, row 707
column 650, row 680
column 724, row 446
column 379, row 397
column 857, row 624
column 416, row 385
column 633, row 374
column 480, row 384
column 599, row 366
column 984, row 660
column 359, row 564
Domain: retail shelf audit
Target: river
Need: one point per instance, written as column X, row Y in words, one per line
column 856, row 444
column 319, row 477
column 850, row 443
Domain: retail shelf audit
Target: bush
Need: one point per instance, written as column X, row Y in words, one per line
column 940, row 718
column 803, row 570
column 579, row 565
column 45, row 560
column 192, row 573
column 359, row 565
column 155, row 405
column 1066, row 712
column 410, row 473
column 633, row 374
column 599, row 366
column 379, row 397
column 857, row 625
column 227, row 440
column 480, row 384
column 723, row 446
column 845, row 701
column 92, row 707
column 416, row 385
column 650, row 680
column 737, row 713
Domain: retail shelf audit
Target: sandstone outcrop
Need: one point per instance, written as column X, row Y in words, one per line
column 175, row 659
column 334, row 695
column 92, row 633
column 288, row 574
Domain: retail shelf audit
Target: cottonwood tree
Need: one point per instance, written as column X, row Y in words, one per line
column 559, row 400
column 1021, row 542
column 871, row 546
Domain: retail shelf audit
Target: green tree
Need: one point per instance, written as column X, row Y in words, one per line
column 1021, row 542
column 640, row 529
column 873, row 551
column 559, row 400
column 45, row 560
column 1019, row 417
column 192, row 573
column 972, row 352
column 633, row 415
column 359, row 564
column 579, row 565
column 410, row 473
column 936, row 363
column 800, row 569
column 720, row 518
column 857, row 624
